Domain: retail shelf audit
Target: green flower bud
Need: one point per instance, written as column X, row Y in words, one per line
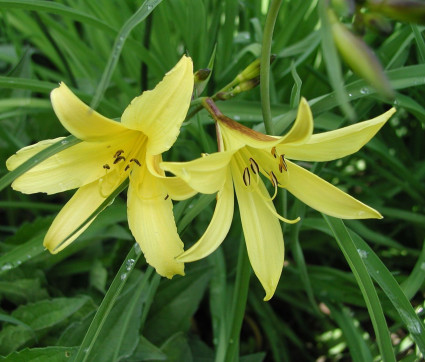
column 411, row 11
column 359, row 57
column 378, row 23
column 202, row 77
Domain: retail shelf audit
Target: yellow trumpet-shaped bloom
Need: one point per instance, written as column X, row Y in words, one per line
column 111, row 152
column 244, row 155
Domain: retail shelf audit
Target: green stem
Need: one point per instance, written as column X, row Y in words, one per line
column 240, row 295
column 265, row 65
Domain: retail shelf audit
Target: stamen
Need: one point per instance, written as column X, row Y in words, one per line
column 273, row 152
column 166, row 197
column 282, row 164
column 136, row 161
column 118, row 159
column 254, row 166
column 127, row 167
column 118, row 153
column 246, row 177
column 106, row 166
column 273, row 179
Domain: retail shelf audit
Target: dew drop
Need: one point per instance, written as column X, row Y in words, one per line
column 130, row 264
column 6, row 266
column 124, row 276
column 64, row 142
column 237, row 118
column 137, row 248
column 350, row 95
column 423, row 266
column 362, row 253
column 149, row 7
column 364, row 90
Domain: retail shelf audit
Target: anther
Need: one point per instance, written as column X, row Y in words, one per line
column 136, row 161
column 254, row 166
column 273, row 152
column 118, row 159
column 273, row 179
column 127, row 167
column 246, row 177
column 282, row 163
column 118, row 153
column 166, row 197
column 106, row 166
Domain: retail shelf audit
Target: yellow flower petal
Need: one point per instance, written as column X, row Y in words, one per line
column 177, row 189
column 206, row 174
column 79, row 119
column 152, row 224
column 218, row 227
column 331, row 145
column 73, row 167
column 160, row 112
column 263, row 234
column 76, row 211
column 236, row 136
column 302, row 128
column 324, row 197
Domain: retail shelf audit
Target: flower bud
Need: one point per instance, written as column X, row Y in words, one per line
column 378, row 23
column 201, row 78
column 411, row 11
column 359, row 57
column 253, row 70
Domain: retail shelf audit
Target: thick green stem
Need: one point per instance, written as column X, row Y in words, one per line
column 240, row 296
column 265, row 64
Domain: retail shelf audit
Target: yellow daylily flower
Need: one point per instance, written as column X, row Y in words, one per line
column 111, row 152
column 244, row 154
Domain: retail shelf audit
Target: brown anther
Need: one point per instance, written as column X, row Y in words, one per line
column 118, row 153
column 118, row 159
column 282, row 163
column 127, row 167
column 166, row 197
column 246, row 177
column 273, row 179
column 254, row 166
column 273, row 152
column 136, row 161
column 106, row 166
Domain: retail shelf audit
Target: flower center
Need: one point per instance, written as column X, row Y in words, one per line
column 268, row 168
column 120, row 165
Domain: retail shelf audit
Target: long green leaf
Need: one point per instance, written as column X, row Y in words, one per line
column 389, row 285
column 140, row 15
column 108, row 302
column 365, row 283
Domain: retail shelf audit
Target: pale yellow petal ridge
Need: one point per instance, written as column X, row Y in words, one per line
column 25, row 153
column 324, row 197
column 79, row 119
column 151, row 221
column 206, row 174
column 335, row 144
column 76, row 211
column 263, row 235
column 160, row 112
column 218, row 227
column 73, row 167
column 237, row 136
column 302, row 128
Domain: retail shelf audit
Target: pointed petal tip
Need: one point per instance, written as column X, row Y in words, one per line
column 269, row 292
